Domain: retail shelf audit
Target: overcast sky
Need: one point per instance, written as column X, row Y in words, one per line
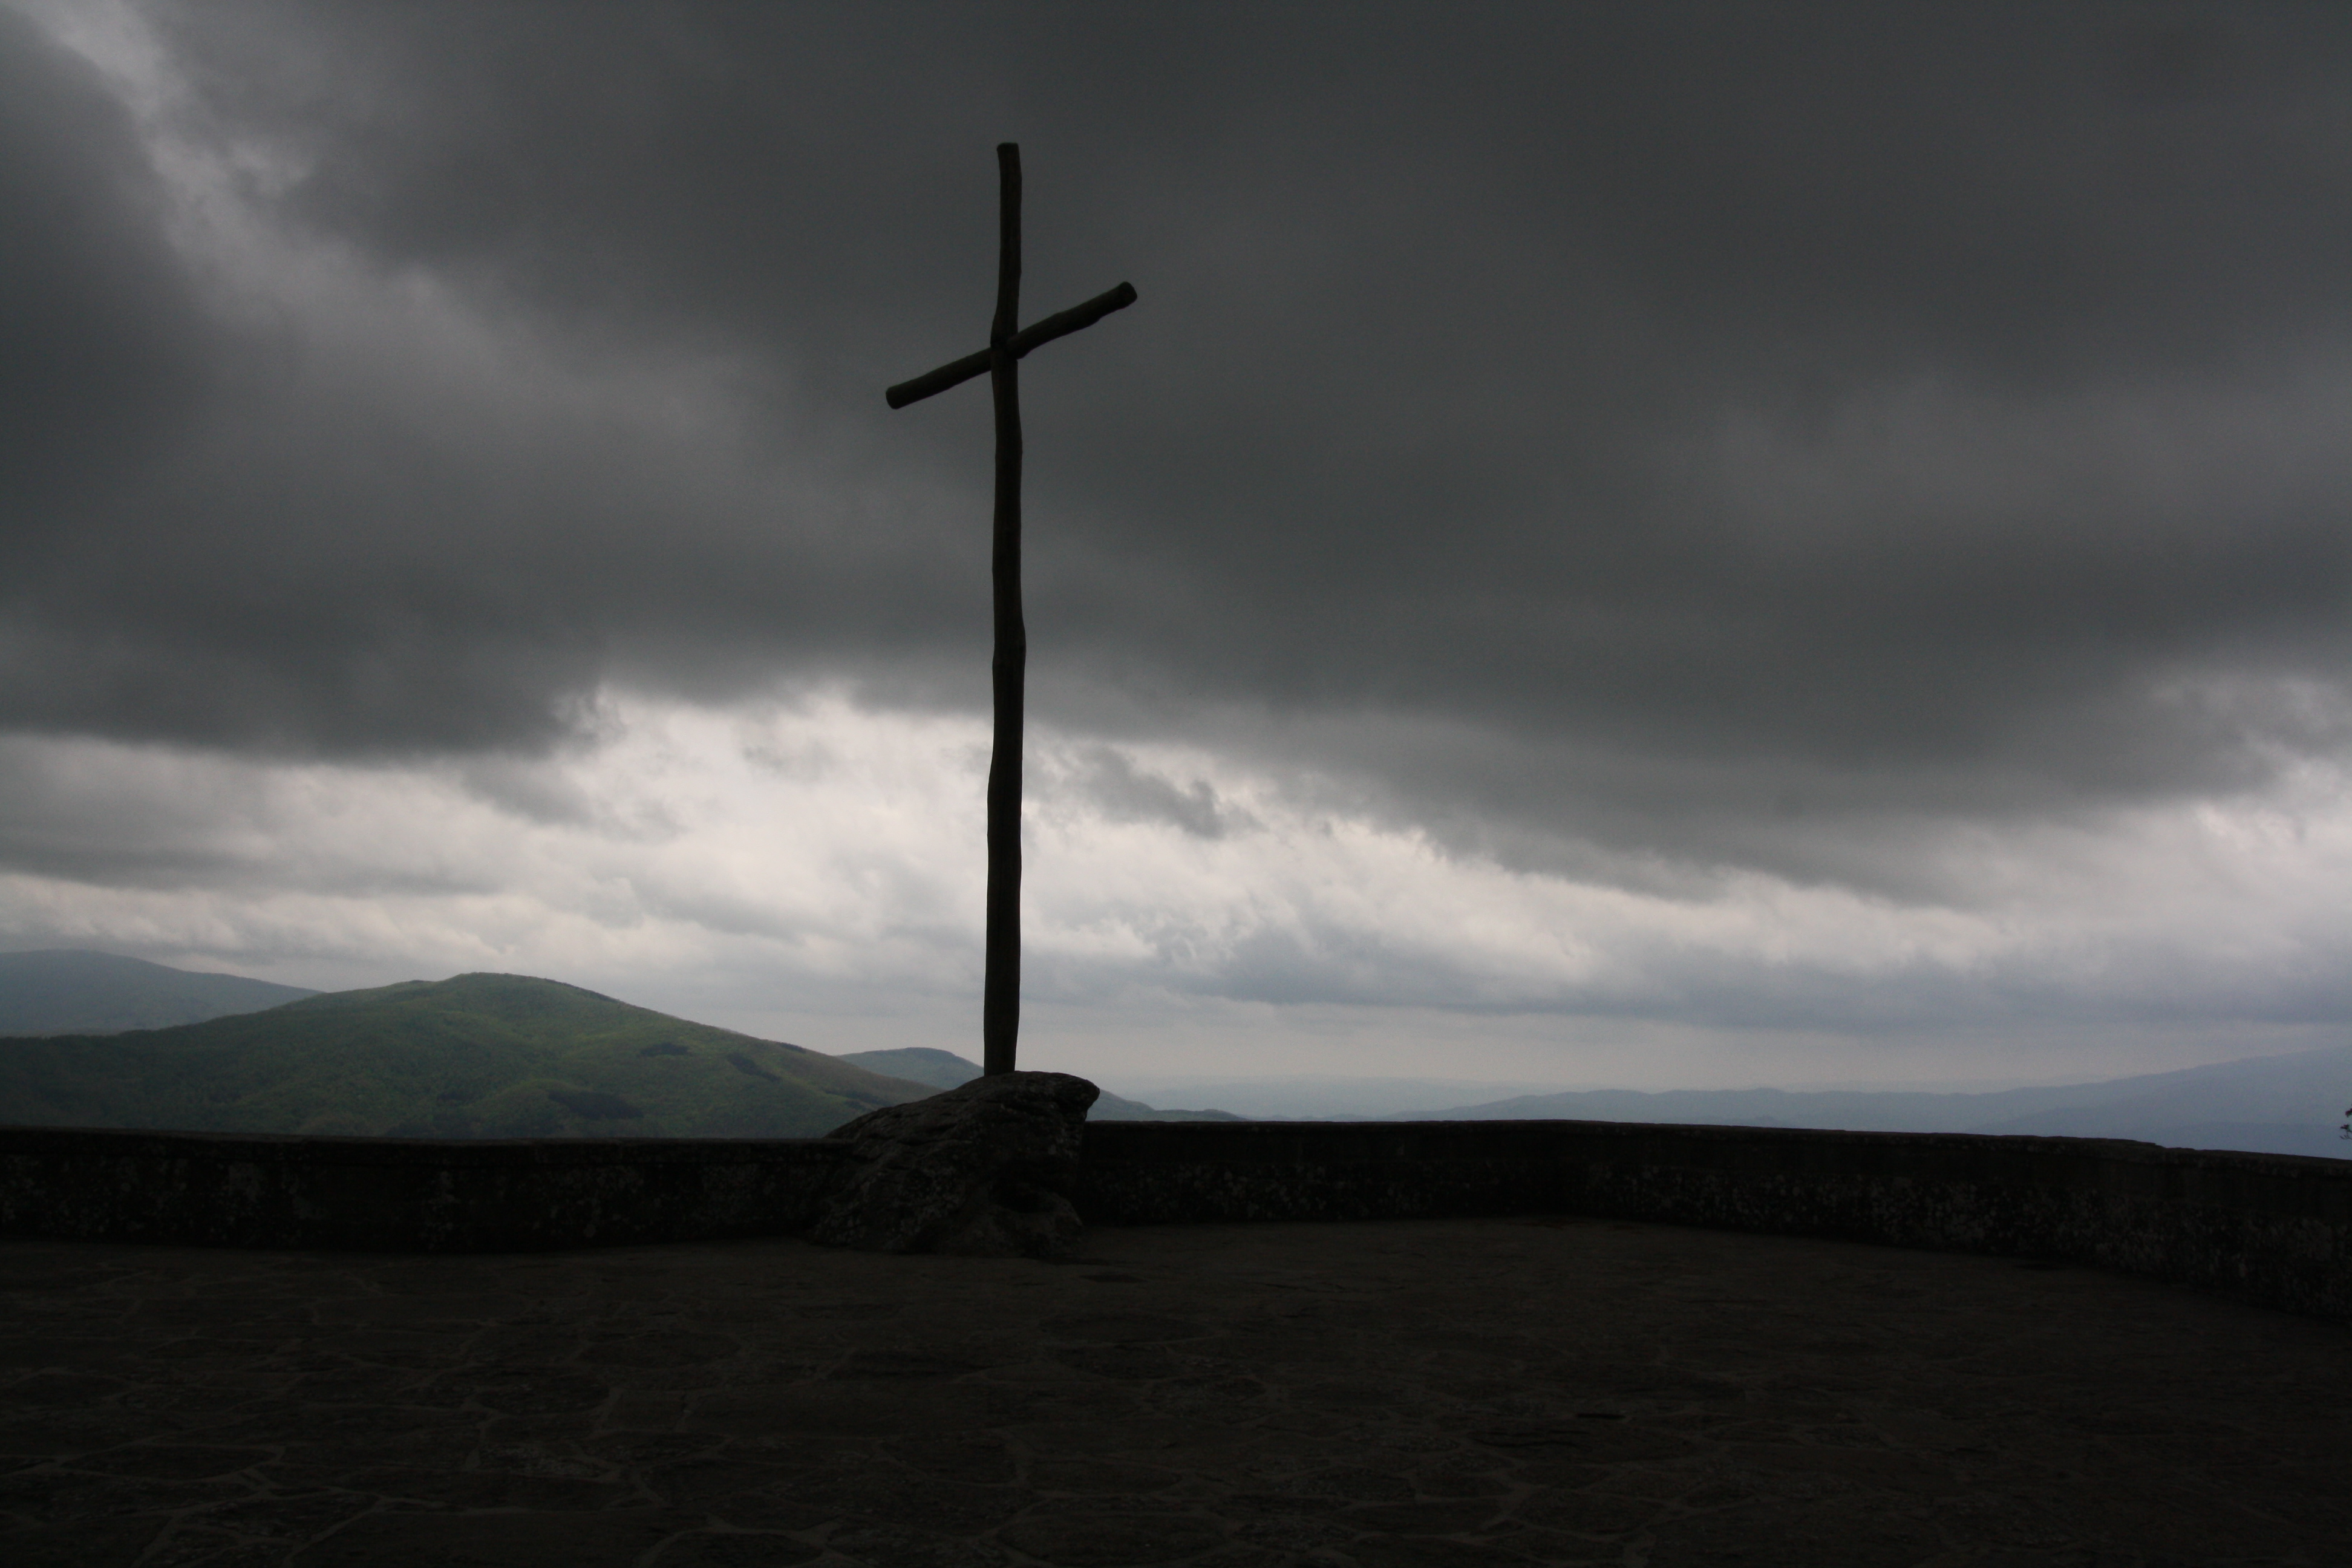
column 1629, row 544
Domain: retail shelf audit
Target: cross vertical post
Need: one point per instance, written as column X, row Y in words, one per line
column 1000, row 1006
column 1008, row 344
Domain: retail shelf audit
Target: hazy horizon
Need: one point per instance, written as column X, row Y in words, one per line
column 1276, row 1095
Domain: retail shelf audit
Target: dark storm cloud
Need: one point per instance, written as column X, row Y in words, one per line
column 1120, row 792
column 1691, row 426
column 101, row 348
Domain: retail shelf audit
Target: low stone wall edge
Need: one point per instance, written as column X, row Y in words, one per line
column 403, row 1195
column 2275, row 1229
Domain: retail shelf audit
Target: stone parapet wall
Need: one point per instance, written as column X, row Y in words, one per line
column 2274, row 1228
column 404, row 1194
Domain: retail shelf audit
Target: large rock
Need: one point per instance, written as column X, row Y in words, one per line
column 982, row 1170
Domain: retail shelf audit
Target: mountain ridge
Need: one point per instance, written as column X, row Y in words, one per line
column 2287, row 1104
column 476, row 1055
column 75, row 991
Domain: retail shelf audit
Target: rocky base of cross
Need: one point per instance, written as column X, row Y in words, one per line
column 984, row 1170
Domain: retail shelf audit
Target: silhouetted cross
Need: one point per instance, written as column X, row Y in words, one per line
column 1000, row 1008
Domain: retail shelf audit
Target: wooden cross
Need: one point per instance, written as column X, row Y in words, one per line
column 1000, row 1008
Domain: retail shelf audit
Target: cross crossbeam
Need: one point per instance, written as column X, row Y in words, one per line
column 1037, row 334
column 1008, row 344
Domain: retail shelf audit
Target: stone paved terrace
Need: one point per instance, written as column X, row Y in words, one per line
column 1382, row 1394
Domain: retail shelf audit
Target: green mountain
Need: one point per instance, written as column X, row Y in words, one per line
column 945, row 1070
column 481, row 1056
column 65, row 991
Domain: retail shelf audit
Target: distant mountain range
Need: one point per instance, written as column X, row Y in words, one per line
column 947, row 1070
column 68, row 991
column 2275, row 1105
column 481, row 1056
column 507, row 1055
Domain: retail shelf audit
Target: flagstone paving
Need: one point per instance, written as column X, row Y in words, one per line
column 1406, row 1395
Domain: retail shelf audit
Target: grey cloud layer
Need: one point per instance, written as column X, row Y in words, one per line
column 1745, row 432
